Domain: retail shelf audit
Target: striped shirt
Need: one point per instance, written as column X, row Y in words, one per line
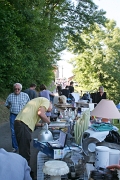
column 17, row 102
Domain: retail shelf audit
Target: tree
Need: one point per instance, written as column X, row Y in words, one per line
column 34, row 32
column 99, row 64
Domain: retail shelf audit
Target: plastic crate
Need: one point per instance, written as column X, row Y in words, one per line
column 41, row 159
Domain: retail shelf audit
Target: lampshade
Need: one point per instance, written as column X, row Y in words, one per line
column 106, row 109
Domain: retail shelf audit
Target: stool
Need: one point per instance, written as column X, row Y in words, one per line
column 55, row 169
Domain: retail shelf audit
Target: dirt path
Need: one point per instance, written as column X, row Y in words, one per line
column 5, row 142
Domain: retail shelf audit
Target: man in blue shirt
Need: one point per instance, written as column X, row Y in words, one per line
column 13, row 166
column 31, row 91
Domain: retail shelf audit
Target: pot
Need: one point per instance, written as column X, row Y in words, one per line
column 45, row 135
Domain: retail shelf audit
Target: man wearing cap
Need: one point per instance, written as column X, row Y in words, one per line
column 26, row 121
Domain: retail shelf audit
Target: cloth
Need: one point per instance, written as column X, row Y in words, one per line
column 81, row 125
column 71, row 89
column 59, row 88
column 65, row 92
column 23, row 135
column 76, row 96
column 98, row 97
column 25, row 123
column 14, row 141
column 118, row 106
column 102, row 127
column 31, row 93
column 99, row 136
column 16, row 102
column 46, row 94
column 29, row 115
column 13, row 166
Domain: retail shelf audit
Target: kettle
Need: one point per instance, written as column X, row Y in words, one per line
column 45, row 135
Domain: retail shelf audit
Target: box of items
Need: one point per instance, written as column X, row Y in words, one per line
column 53, row 153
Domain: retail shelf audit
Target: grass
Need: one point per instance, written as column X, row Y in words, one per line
column 116, row 123
column 4, row 112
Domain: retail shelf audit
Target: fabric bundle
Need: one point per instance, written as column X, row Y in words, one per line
column 81, row 126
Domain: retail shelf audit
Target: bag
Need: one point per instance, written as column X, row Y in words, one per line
column 113, row 137
column 70, row 99
column 86, row 96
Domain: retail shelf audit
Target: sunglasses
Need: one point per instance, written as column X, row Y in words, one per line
column 17, row 89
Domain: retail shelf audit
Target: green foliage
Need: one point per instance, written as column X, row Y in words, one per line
column 99, row 64
column 33, row 32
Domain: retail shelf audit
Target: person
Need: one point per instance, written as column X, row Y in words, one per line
column 15, row 102
column 47, row 94
column 31, row 91
column 13, row 166
column 100, row 95
column 26, row 121
column 71, row 88
column 65, row 91
column 59, row 88
column 44, row 92
column 114, row 166
column 62, row 99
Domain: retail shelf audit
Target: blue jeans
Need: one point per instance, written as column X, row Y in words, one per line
column 14, row 141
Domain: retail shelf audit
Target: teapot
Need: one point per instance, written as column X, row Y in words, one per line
column 44, row 134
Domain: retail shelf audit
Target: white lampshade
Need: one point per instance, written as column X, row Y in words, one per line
column 106, row 109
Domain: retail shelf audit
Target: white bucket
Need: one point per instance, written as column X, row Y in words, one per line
column 119, row 159
column 101, row 157
column 114, row 156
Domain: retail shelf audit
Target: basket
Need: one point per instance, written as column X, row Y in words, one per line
column 41, row 159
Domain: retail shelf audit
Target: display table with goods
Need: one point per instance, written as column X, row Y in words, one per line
column 70, row 152
column 84, row 145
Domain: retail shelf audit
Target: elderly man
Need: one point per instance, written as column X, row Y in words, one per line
column 26, row 121
column 15, row 102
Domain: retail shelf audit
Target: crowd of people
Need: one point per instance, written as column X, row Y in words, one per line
column 26, row 110
column 96, row 97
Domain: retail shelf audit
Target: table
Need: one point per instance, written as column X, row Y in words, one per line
column 63, row 106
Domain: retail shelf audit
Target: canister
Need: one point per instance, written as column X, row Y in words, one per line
column 114, row 156
column 101, row 157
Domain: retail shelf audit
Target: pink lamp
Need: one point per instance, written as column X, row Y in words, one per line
column 106, row 109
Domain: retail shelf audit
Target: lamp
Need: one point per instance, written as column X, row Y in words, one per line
column 106, row 109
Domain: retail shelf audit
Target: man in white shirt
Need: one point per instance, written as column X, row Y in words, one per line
column 15, row 102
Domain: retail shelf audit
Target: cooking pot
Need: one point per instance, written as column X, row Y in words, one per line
column 44, row 134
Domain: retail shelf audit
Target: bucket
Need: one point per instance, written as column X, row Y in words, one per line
column 101, row 157
column 114, row 156
column 119, row 159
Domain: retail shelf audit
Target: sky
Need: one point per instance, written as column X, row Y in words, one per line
column 65, row 68
column 112, row 8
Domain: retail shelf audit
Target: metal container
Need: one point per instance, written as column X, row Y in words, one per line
column 45, row 135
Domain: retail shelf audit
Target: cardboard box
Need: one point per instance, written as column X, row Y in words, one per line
column 53, row 153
